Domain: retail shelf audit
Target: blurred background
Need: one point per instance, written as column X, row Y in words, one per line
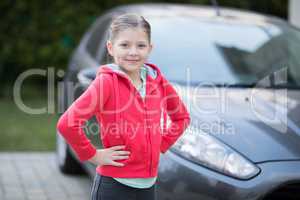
column 41, row 35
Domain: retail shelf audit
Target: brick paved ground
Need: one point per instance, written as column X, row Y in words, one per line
column 35, row 176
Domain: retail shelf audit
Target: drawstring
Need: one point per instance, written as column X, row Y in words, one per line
column 116, row 90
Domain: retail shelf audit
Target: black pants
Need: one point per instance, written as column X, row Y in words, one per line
column 106, row 188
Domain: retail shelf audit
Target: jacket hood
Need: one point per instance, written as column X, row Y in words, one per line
column 153, row 72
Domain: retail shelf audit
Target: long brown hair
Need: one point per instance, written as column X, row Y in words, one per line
column 126, row 21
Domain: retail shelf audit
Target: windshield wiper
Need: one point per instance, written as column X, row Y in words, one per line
column 240, row 85
column 237, row 85
column 209, row 85
column 285, row 86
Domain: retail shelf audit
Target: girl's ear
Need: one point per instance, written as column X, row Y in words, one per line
column 150, row 47
column 109, row 47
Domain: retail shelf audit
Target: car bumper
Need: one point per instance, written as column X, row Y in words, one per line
column 180, row 179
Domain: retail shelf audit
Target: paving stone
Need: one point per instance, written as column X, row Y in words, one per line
column 35, row 176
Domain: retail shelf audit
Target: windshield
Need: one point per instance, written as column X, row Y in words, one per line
column 219, row 52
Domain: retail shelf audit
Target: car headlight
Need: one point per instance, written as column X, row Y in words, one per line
column 206, row 150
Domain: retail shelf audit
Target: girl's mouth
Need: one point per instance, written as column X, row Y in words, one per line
column 131, row 60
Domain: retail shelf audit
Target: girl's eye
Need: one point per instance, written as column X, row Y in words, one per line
column 123, row 45
column 141, row 45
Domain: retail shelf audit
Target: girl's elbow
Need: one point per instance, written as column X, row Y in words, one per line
column 188, row 121
column 62, row 125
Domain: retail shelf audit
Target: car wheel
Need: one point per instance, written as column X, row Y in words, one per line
column 64, row 158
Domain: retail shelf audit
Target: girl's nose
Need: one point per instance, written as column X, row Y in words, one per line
column 132, row 51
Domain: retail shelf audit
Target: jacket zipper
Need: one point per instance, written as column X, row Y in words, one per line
column 150, row 145
column 149, row 137
column 150, row 155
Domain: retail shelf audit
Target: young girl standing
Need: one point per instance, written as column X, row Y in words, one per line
column 129, row 97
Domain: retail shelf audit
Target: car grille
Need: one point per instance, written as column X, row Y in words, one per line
column 287, row 192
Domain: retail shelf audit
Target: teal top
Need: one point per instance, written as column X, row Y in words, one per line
column 139, row 182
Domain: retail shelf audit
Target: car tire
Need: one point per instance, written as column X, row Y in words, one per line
column 64, row 158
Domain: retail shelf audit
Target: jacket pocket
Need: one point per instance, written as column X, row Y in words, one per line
column 137, row 145
column 157, row 138
column 113, row 137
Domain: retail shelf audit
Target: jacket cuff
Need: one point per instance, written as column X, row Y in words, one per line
column 164, row 146
column 85, row 153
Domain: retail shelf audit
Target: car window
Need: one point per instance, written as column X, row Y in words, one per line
column 210, row 51
column 98, row 32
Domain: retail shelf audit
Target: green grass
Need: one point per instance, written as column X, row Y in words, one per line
column 22, row 131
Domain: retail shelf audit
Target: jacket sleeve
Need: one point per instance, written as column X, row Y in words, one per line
column 180, row 118
column 71, row 123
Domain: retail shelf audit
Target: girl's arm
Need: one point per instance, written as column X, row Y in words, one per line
column 70, row 124
column 180, row 118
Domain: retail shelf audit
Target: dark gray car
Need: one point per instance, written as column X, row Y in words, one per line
column 239, row 75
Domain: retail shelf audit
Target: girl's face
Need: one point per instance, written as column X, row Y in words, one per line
column 130, row 49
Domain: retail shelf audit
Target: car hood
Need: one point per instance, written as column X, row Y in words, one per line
column 261, row 124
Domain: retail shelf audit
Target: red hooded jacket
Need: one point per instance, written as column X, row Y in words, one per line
column 126, row 118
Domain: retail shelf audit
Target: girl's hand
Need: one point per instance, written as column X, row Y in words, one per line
column 108, row 155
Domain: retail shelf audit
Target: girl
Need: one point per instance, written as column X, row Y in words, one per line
column 128, row 98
